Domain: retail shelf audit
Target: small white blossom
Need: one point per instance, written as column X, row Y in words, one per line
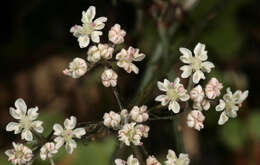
column 68, row 134
column 48, row 150
column 126, row 57
column 174, row 92
column 130, row 161
column 151, row 160
column 106, row 51
column 109, row 78
column 195, row 119
column 230, row 105
column 26, row 120
column 89, row 29
column 144, row 129
column 112, row 120
column 196, row 64
column 139, row 114
column 197, row 94
column 172, row 159
column 20, row 154
column 130, row 134
column 213, row 88
column 116, row 34
column 77, row 68
column 93, row 54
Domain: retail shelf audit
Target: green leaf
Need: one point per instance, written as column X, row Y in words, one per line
column 253, row 124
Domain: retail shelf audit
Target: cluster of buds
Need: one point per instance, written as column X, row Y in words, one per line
column 91, row 29
column 171, row 159
column 129, row 125
column 29, row 128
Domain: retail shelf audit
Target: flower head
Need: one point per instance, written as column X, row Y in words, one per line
column 195, row 119
column 130, row 161
column 174, row 92
column 68, row 134
column 230, row 105
column 213, row 88
column 139, row 114
column 48, row 150
column 20, row 154
column 196, row 64
column 151, row 160
column 112, row 120
column 90, row 28
column 26, row 120
column 116, row 34
column 77, row 68
column 126, row 57
column 109, row 78
column 172, row 159
column 130, row 134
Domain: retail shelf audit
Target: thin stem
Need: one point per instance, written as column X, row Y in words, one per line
column 115, row 91
column 52, row 161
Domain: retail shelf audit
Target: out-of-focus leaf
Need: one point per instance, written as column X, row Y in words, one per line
column 233, row 134
column 3, row 159
column 253, row 124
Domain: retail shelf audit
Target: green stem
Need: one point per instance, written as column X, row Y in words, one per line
column 115, row 91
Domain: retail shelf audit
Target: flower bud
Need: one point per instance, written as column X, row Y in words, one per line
column 195, row 119
column 116, row 34
column 112, row 120
column 109, row 78
column 213, row 88
column 139, row 114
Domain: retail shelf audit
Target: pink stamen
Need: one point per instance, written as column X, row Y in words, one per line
column 172, row 84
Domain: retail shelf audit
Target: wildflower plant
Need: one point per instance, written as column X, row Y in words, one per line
column 129, row 123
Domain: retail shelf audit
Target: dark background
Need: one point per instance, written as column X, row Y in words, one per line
column 36, row 45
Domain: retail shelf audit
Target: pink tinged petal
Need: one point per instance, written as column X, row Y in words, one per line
column 15, row 113
column 187, row 70
column 32, row 113
column 223, row 118
column 27, row 135
column 95, row 36
column 58, row 130
column 174, row 106
column 83, row 41
column 197, row 76
column 20, row 106
column 200, row 52
column 78, row 132
column 187, row 56
column 163, row 99
column 70, row 123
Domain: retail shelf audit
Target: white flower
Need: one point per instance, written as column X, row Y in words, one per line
column 139, row 114
column 172, row 159
column 116, row 34
column 89, row 29
column 174, row 92
column 77, row 68
column 126, row 57
column 68, row 134
column 130, row 134
column 109, row 78
column 151, row 160
column 230, row 104
column 112, row 120
column 20, row 154
column 195, row 119
column 93, row 54
column 196, row 64
column 48, row 150
column 213, row 88
column 26, row 120
column 197, row 94
column 106, row 51
column 130, row 161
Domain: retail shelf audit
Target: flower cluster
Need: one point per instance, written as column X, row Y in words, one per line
column 171, row 159
column 128, row 124
column 102, row 53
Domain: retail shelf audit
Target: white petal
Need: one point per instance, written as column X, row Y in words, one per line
column 83, row 41
column 57, row 129
column 21, row 106
column 15, row 113
column 187, row 55
column 70, row 146
column 138, row 56
column 200, row 52
column 70, row 123
column 163, row 99
column 32, row 113
column 59, row 142
column 27, row 135
column 185, row 97
column 13, row 126
column 223, row 118
column 37, row 126
column 221, row 105
column 134, row 68
column 88, row 16
column 95, row 36
column 197, row 76
column 174, row 106
column 78, row 132
column 207, row 66
column 162, row 86
column 187, row 70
